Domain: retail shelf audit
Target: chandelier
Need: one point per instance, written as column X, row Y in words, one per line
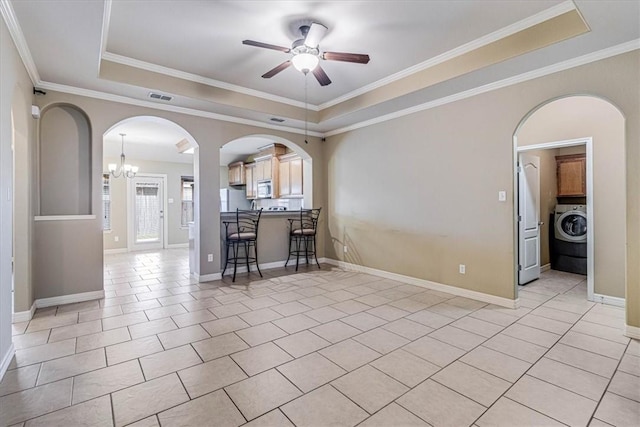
column 124, row 169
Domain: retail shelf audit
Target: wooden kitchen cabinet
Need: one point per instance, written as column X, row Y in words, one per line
column 571, row 171
column 250, row 180
column 264, row 169
column 236, row 173
column 290, row 171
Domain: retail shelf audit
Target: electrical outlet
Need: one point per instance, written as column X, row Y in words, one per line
column 116, row 239
column 210, row 258
column 345, row 249
column 462, row 269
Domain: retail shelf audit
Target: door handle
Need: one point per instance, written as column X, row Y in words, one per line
column 541, row 223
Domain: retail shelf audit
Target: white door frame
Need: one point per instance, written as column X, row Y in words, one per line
column 588, row 143
column 130, row 213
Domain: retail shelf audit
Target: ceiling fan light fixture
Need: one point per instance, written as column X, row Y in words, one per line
column 305, row 62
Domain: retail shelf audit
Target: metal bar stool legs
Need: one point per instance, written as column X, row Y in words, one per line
column 302, row 231
column 242, row 232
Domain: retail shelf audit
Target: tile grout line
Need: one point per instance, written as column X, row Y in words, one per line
column 593, row 414
column 362, row 332
column 532, row 365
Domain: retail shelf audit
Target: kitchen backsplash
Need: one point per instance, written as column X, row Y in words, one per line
column 290, row 204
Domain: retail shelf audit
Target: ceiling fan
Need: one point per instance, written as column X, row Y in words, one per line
column 306, row 54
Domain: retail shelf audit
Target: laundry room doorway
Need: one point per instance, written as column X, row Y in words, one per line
column 580, row 140
column 553, row 206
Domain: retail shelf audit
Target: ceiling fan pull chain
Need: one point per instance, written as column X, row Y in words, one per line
column 306, row 80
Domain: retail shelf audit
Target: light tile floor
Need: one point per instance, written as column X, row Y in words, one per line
column 320, row 347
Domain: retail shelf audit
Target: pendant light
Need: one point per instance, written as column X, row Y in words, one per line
column 125, row 170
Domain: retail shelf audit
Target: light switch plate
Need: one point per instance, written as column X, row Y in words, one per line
column 502, row 196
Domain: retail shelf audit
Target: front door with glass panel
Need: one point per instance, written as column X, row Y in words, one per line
column 146, row 228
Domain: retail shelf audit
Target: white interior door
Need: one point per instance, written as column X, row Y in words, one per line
column 147, row 213
column 528, row 218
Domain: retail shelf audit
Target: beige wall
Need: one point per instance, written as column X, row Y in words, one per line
column 418, row 195
column 15, row 120
column 24, row 200
column 210, row 135
column 224, row 176
column 67, row 255
column 174, row 171
column 576, row 117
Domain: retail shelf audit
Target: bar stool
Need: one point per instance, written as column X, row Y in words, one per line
column 243, row 232
column 302, row 235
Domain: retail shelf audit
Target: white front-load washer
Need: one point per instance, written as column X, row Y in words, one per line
column 571, row 223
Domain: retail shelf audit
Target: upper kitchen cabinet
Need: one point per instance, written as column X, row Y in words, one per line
column 571, row 173
column 251, row 179
column 290, row 175
column 264, row 168
column 236, row 174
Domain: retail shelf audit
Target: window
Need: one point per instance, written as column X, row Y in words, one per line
column 106, row 202
column 186, row 196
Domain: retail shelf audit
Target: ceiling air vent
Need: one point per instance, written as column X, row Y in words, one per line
column 160, row 96
column 276, row 119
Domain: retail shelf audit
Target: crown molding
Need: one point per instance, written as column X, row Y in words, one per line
column 175, row 109
column 460, row 50
column 104, row 34
column 562, row 66
column 147, row 66
column 541, row 72
column 18, row 39
column 8, row 14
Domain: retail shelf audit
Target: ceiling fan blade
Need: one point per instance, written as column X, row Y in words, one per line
column 276, row 70
column 321, row 76
column 315, row 35
column 266, row 45
column 346, row 57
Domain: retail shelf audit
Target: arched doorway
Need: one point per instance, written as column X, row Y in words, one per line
column 242, row 149
column 598, row 126
column 154, row 210
column 271, row 173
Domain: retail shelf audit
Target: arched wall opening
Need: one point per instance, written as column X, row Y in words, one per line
column 241, row 182
column 64, row 167
column 244, row 147
column 156, row 208
column 567, row 121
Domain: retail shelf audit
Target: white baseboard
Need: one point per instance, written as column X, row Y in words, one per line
column 6, row 360
column 177, row 245
column 116, row 251
column 632, row 332
column 207, row 277
column 479, row 296
column 605, row 299
column 270, row 265
column 69, row 299
column 24, row 316
column 545, row 267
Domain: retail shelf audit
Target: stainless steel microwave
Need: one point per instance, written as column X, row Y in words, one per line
column 265, row 189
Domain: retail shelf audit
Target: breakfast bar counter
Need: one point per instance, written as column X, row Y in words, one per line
column 273, row 237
